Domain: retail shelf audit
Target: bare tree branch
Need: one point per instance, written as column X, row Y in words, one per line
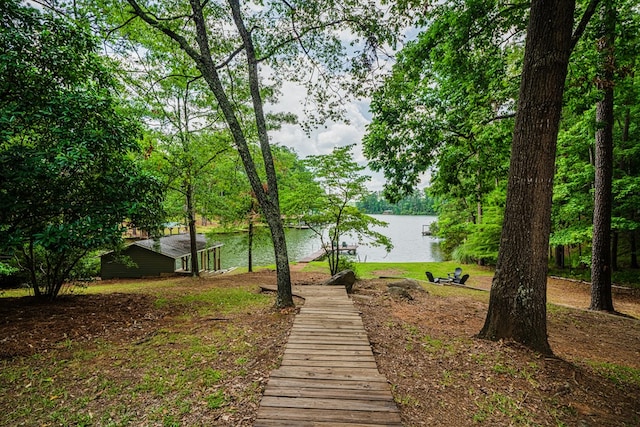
column 113, row 30
column 184, row 44
column 230, row 57
column 588, row 13
column 212, row 158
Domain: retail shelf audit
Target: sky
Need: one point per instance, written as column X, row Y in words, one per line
column 333, row 134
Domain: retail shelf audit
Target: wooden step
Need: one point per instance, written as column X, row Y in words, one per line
column 328, row 375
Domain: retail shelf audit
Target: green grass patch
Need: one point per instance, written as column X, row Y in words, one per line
column 155, row 286
column 432, row 344
column 623, row 276
column 500, row 368
column 416, row 270
column 557, row 309
column 528, row 372
column 407, row 400
column 216, row 400
column 316, row 267
column 500, row 404
column 620, row 375
column 158, row 380
column 447, row 378
column 224, row 300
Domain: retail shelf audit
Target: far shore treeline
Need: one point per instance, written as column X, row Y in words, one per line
column 418, row 203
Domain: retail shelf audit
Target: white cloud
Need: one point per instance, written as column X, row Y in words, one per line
column 323, row 139
column 338, row 135
column 331, row 134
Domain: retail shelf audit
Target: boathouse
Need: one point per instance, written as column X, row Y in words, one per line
column 166, row 255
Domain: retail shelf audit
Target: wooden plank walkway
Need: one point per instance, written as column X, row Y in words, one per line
column 328, row 375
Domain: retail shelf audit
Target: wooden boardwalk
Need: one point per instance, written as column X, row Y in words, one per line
column 328, row 375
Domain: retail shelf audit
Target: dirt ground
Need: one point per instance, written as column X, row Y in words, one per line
column 443, row 375
column 440, row 374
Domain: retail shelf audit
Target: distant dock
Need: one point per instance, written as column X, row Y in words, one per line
column 319, row 254
column 314, row 256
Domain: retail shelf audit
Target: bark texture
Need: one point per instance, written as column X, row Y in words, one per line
column 559, row 256
column 601, row 298
column 267, row 197
column 517, row 306
column 191, row 219
column 634, row 252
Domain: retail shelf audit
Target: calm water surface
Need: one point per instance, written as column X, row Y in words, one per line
column 405, row 232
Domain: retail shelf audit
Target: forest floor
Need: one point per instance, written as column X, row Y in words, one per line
column 97, row 359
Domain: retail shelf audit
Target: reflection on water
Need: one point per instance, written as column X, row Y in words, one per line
column 405, row 232
column 300, row 243
column 409, row 245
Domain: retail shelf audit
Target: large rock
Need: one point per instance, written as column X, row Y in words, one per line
column 400, row 293
column 344, row 278
column 408, row 284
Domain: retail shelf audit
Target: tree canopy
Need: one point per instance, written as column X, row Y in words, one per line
column 448, row 107
column 332, row 214
column 276, row 36
column 412, row 204
column 69, row 177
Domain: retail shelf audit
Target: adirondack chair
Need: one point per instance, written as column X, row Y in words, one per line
column 461, row 280
column 437, row 279
column 431, row 278
column 455, row 275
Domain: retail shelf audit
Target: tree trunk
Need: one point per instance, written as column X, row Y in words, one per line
column 517, row 304
column 250, row 242
column 31, row 267
column 601, row 298
column 267, row 197
column 335, row 255
column 559, row 256
column 615, row 238
column 285, row 295
column 634, row 251
column 191, row 220
column 625, row 138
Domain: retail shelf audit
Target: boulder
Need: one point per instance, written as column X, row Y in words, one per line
column 400, row 293
column 408, row 284
column 344, row 278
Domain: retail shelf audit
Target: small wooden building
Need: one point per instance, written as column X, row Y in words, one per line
column 163, row 256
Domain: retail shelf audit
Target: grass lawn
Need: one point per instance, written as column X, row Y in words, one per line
column 198, row 352
column 167, row 352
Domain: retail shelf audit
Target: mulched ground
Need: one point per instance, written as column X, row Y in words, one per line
column 443, row 375
column 440, row 373
column 30, row 326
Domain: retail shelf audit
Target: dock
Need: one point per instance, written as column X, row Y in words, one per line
column 350, row 249
column 314, row 256
column 321, row 253
column 328, row 374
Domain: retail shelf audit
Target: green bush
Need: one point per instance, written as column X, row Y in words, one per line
column 87, row 268
column 347, row 263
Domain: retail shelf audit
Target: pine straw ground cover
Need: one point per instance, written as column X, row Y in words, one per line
column 442, row 375
column 183, row 352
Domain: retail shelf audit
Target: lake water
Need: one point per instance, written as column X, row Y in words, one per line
column 405, row 232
